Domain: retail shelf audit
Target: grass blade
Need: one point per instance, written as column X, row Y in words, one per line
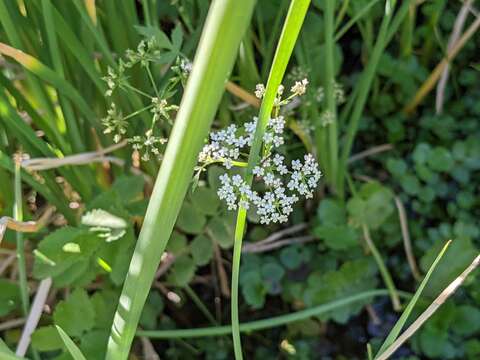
column 224, row 29
column 47, row 74
column 18, row 216
column 444, row 295
column 70, row 345
column 263, row 324
column 365, row 84
column 72, row 127
column 406, row 313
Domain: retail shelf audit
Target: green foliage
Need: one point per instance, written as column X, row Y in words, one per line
column 372, row 205
column 9, row 297
column 202, row 250
column 46, row 338
column 183, row 270
column 460, row 254
column 51, row 105
column 351, row 278
column 76, row 314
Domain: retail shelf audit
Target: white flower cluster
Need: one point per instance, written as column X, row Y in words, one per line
column 226, row 145
column 282, row 185
column 148, row 144
column 338, row 92
column 161, row 108
column 300, row 87
column 114, row 123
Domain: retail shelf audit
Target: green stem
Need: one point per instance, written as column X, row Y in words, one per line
column 266, row 323
column 138, row 91
column 152, row 81
column 387, row 278
column 288, row 38
column 237, row 252
column 201, row 306
column 18, row 216
column 138, row 112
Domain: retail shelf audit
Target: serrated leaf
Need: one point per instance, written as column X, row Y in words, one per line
column 182, row 271
column 93, row 345
column 76, row 314
column 104, row 303
column 153, row 307
column 190, row 220
column 201, row 249
column 177, row 243
column 351, row 278
column 46, row 338
column 9, row 297
column 291, row 257
column 52, row 245
column 371, row 206
column 331, row 212
column 467, row 320
column 205, row 200
column 222, row 230
column 253, row 289
column 337, row 237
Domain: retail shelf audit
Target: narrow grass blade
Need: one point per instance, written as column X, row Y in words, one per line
column 434, row 306
column 73, row 131
column 43, row 122
column 49, row 190
column 291, row 29
column 386, row 277
column 354, row 19
column 269, row 323
column 47, row 74
column 365, row 83
column 224, row 28
column 392, row 336
column 70, row 345
column 76, row 48
column 21, row 263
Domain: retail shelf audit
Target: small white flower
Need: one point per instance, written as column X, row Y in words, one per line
column 300, row 87
column 258, row 171
column 259, row 90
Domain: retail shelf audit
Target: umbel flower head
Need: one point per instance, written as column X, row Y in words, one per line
column 282, row 184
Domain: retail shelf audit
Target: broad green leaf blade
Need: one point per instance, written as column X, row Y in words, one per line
column 224, row 28
column 406, row 313
column 71, row 347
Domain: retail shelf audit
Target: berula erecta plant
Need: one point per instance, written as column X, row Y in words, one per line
column 247, row 165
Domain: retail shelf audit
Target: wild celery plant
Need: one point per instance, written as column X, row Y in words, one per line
column 225, row 25
column 288, row 38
